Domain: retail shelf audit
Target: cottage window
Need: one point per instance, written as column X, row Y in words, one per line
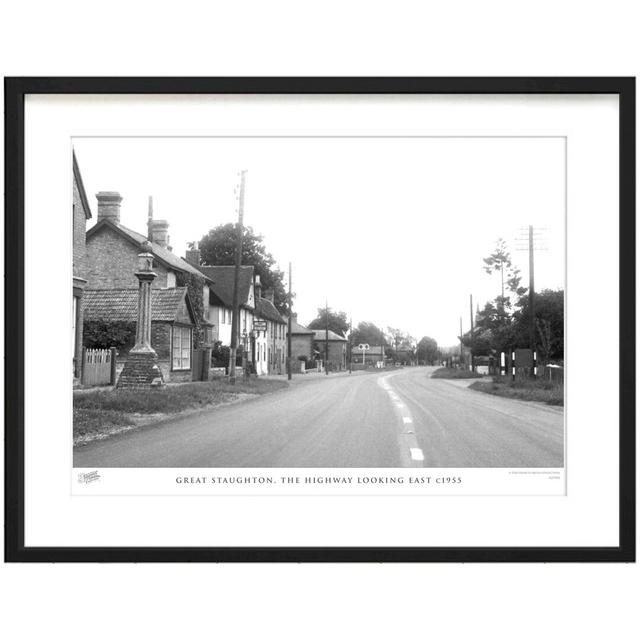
column 181, row 348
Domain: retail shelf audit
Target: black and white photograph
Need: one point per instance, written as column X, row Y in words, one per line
column 297, row 325
column 368, row 302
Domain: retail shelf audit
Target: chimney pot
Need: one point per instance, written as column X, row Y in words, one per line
column 258, row 287
column 109, row 206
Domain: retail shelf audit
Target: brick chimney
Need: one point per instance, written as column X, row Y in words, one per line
column 157, row 230
column 268, row 295
column 109, row 206
column 159, row 235
column 192, row 255
column 257, row 285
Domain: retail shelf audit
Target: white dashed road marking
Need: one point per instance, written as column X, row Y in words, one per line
column 410, row 451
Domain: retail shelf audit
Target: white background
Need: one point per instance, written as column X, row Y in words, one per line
column 490, row 38
column 587, row 516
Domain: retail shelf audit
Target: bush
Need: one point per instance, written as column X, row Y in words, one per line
column 220, row 355
column 104, row 334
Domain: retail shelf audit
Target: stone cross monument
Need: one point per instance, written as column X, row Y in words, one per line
column 141, row 368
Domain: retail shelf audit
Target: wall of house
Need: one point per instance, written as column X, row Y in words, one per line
column 278, row 345
column 261, row 350
column 79, row 274
column 301, row 345
column 271, row 349
column 337, row 353
column 161, row 342
column 112, row 262
column 79, row 232
column 217, row 317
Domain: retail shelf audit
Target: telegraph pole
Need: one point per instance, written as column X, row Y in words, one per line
column 460, row 341
column 326, row 337
column 235, row 314
column 289, row 328
column 471, row 310
column 350, row 345
column 532, row 313
column 471, row 318
column 534, row 243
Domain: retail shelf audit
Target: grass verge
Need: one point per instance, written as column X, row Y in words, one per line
column 454, row 374
column 104, row 412
column 534, row 390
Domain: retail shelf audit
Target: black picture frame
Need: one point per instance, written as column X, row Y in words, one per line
column 15, row 91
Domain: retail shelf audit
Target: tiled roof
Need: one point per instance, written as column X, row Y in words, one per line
column 298, row 329
column 319, row 335
column 122, row 304
column 266, row 310
column 163, row 254
column 221, row 277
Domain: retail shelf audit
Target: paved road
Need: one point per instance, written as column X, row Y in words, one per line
column 395, row 418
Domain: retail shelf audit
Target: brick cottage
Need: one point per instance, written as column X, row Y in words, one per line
column 172, row 325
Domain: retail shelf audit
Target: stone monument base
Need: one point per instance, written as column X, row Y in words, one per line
column 141, row 370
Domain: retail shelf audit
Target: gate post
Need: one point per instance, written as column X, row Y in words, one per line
column 113, row 366
column 82, row 366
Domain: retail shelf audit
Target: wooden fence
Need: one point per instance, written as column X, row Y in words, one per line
column 554, row 374
column 98, row 367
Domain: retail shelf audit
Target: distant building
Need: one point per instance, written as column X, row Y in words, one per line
column 221, row 278
column 301, row 340
column 337, row 349
column 374, row 354
column 269, row 336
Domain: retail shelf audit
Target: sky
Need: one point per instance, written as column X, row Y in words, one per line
column 389, row 230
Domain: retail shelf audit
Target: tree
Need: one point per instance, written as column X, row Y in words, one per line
column 338, row 322
column 493, row 331
column 399, row 341
column 500, row 261
column 428, row 350
column 549, row 310
column 499, row 330
column 368, row 333
column 218, row 247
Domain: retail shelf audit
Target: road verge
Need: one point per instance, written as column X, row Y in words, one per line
column 102, row 413
column 529, row 390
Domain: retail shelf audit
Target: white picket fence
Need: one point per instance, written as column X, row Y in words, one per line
column 98, row 367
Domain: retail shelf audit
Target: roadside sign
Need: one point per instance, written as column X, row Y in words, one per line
column 363, row 347
column 259, row 325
